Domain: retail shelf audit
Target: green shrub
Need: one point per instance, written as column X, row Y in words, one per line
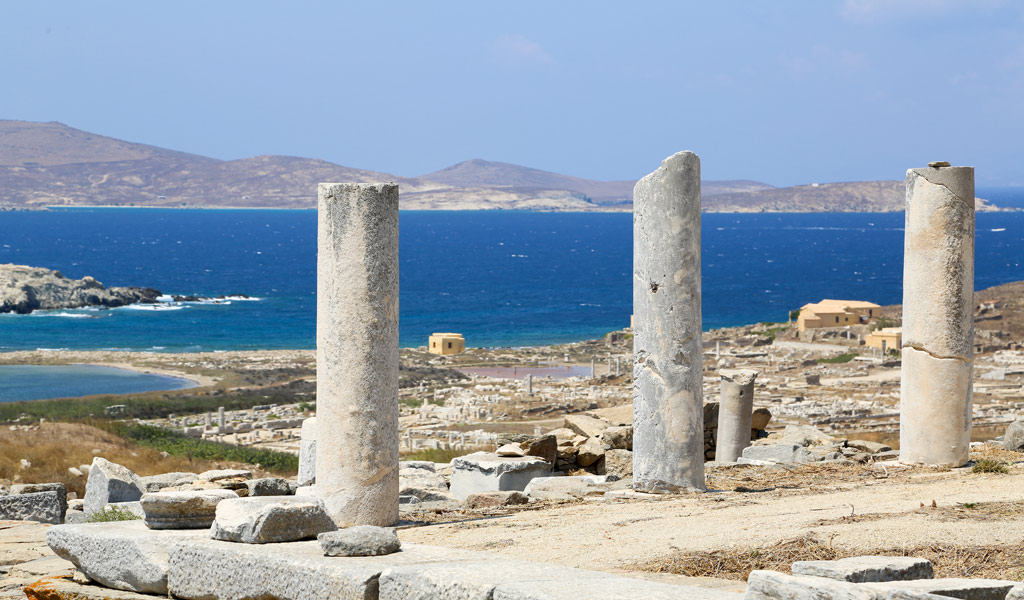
column 176, row 443
column 112, row 513
column 988, row 465
column 842, row 358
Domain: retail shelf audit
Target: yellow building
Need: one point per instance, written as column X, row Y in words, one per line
column 885, row 339
column 836, row 313
column 446, row 343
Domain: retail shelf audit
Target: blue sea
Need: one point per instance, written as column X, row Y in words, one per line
column 500, row 278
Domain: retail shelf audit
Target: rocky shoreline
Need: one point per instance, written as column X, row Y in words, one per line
column 24, row 289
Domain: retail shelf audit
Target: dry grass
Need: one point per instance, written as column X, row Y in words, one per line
column 996, row 562
column 810, row 477
column 56, row 446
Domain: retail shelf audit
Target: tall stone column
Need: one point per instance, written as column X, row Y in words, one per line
column 221, row 421
column 668, row 428
column 938, row 316
column 735, row 410
column 357, row 353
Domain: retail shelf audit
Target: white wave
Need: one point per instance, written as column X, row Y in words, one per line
column 165, row 298
column 62, row 314
column 152, row 307
column 243, row 298
column 998, row 229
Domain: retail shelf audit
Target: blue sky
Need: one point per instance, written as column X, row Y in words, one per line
column 785, row 92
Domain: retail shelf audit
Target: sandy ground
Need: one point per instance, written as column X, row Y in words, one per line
column 199, row 380
column 614, row 534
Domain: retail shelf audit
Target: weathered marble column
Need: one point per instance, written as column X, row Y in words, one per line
column 221, row 422
column 529, row 384
column 735, row 410
column 357, row 353
column 668, row 428
column 938, row 316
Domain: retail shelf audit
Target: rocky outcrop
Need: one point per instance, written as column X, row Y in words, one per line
column 24, row 289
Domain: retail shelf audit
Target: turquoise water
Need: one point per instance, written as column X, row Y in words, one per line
column 36, row 382
column 501, row 278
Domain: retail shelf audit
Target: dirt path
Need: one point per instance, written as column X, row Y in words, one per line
column 612, row 534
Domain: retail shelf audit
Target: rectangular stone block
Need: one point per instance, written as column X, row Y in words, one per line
column 860, row 569
column 206, row 569
column 123, row 555
column 42, row 507
column 770, row 585
column 965, row 589
column 488, row 472
column 56, row 588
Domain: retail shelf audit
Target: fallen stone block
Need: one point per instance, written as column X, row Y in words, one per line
column 760, row 419
column 123, row 555
column 221, row 474
column 510, row 450
column 1016, row 593
column 770, row 585
column 155, row 483
column 860, row 569
column 109, row 482
column 785, row 454
column 422, row 481
column 585, row 425
column 618, row 438
column 270, row 519
column 41, row 507
column 182, row 510
column 606, row 587
column 496, row 499
column 361, row 540
column 62, row 588
column 869, row 447
column 32, row 488
column 965, row 589
column 488, row 472
column 805, row 435
column 590, row 452
column 568, row 487
column 207, row 569
column 270, row 486
column 618, row 463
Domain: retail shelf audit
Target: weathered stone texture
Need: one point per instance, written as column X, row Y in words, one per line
column 357, row 353
column 109, row 482
column 123, row 555
column 860, row 569
column 307, row 453
column 270, row 519
column 938, row 316
column 668, row 444
column 735, row 413
column 488, row 472
column 361, row 540
column 182, row 510
column 41, row 507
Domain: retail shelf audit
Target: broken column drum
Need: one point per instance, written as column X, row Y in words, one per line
column 357, row 353
column 938, row 316
column 735, row 411
column 668, row 428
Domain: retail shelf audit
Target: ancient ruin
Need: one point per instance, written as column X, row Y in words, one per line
column 668, row 453
column 735, row 413
column 357, row 353
column 938, row 316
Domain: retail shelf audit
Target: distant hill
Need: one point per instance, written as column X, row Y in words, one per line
column 47, row 164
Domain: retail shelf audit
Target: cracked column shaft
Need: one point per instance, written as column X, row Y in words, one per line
column 735, row 413
column 357, row 353
column 938, row 316
column 668, row 417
